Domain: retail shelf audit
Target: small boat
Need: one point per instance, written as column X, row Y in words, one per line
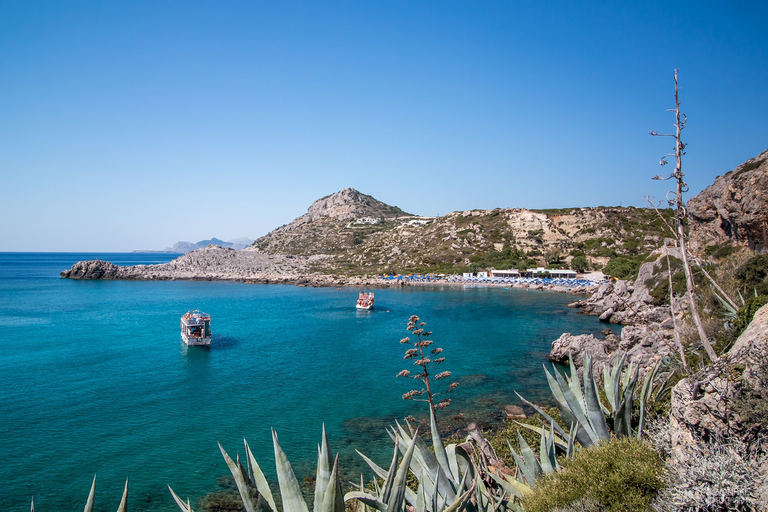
column 196, row 328
column 365, row 301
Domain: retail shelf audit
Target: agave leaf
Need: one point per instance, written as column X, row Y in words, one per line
column 546, row 416
column 395, row 500
column 323, row 475
column 258, row 478
column 332, row 497
column 528, row 473
column 437, row 444
column 570, row 451
column 290, row 491
column 546, row 464
column 529, row 457
column 557, row 394
column 390, row 476
column 183, row 506
column 91, row 494
column 645, row 394
column 123, row 507
column 421, row 499
column 513, row 487
column 622, row 423
column 730, row 309
column 460, row 502
column 612, row 384
column 576, row 411
column 592, row 402
column 559, row 441
column 366, row 498
column 240, row 480
column 573, row 382
column 380, row 472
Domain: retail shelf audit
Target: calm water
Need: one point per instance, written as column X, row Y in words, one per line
column 95, row 380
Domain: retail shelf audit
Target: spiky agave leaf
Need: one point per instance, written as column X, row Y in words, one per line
column 241, row 480
column 396, row 499
column 123, row 507
column 258, row 478
column 332, row 498
column 526, row 461
column 592, row 404
column 645, row 394
column 185, row 507
column 91, row 495
column 290, row 490
column 622, row 421
column 576, row 411
column 324, row 470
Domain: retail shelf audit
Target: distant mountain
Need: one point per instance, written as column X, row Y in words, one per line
column 185, row 247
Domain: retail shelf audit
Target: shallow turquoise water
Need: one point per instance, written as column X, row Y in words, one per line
column 95, row 380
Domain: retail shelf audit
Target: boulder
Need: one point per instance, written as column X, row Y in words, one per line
column 703, row 405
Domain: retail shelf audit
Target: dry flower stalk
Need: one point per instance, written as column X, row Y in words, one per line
column 423, row 357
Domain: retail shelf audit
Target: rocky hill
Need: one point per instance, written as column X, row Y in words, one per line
column 734, row 209
column 358, row 234
column 332, row 225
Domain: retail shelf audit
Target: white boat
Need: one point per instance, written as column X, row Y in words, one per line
column 196, row 328
column 365, row 301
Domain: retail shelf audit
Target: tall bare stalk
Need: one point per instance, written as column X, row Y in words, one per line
column 681, row 214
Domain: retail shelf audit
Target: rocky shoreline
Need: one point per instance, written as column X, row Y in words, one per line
column 648, row 334
column 214, row 263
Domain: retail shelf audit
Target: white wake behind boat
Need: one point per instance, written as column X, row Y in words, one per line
column 196, row 328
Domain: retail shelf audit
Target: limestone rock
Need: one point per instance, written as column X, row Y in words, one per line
column 734, row 208
column 702, row 404
column 514, row 412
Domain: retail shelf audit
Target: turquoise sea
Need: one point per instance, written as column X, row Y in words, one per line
column 94, row 379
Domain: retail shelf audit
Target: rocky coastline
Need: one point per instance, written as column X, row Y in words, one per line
column 214, row 263
column 648, row 333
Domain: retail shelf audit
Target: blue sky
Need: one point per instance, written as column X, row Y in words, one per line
column 133, row 125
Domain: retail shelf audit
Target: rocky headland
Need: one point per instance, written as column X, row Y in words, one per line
column 648, row 332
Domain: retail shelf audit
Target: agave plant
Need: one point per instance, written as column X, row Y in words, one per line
column 446, row 476
column 328, row 495
column 449, row 480
column 123, row 507
column 582, row 407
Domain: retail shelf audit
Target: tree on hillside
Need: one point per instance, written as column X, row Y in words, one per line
column 681, row 214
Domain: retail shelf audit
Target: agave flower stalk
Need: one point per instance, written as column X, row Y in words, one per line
column 428, row 359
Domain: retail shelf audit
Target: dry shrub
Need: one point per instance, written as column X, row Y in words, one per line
column 715, row 476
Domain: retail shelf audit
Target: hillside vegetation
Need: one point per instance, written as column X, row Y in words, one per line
column 340, row 227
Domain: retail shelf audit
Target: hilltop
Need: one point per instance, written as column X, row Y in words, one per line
column 353, row 233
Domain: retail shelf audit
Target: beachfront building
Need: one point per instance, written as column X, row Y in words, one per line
column 549, row 272
column 513, row 272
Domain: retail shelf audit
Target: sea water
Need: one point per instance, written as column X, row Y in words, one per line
column 94, row 378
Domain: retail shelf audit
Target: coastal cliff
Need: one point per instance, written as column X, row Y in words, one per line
column 734, row 209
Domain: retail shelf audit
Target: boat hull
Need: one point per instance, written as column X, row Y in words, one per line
column 196, row 342
column 365, row 308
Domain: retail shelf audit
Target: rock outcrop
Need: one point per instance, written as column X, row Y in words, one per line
column 734, row 208
column 222, row 264
column 648, row 332
column 712, row 403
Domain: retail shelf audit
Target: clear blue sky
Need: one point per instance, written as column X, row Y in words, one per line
column 133, row 125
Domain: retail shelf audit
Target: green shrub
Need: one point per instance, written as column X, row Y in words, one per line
column 753, row 275
column 620, row 475
column 624, row 267
column 747, row 312
column 579, row 263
